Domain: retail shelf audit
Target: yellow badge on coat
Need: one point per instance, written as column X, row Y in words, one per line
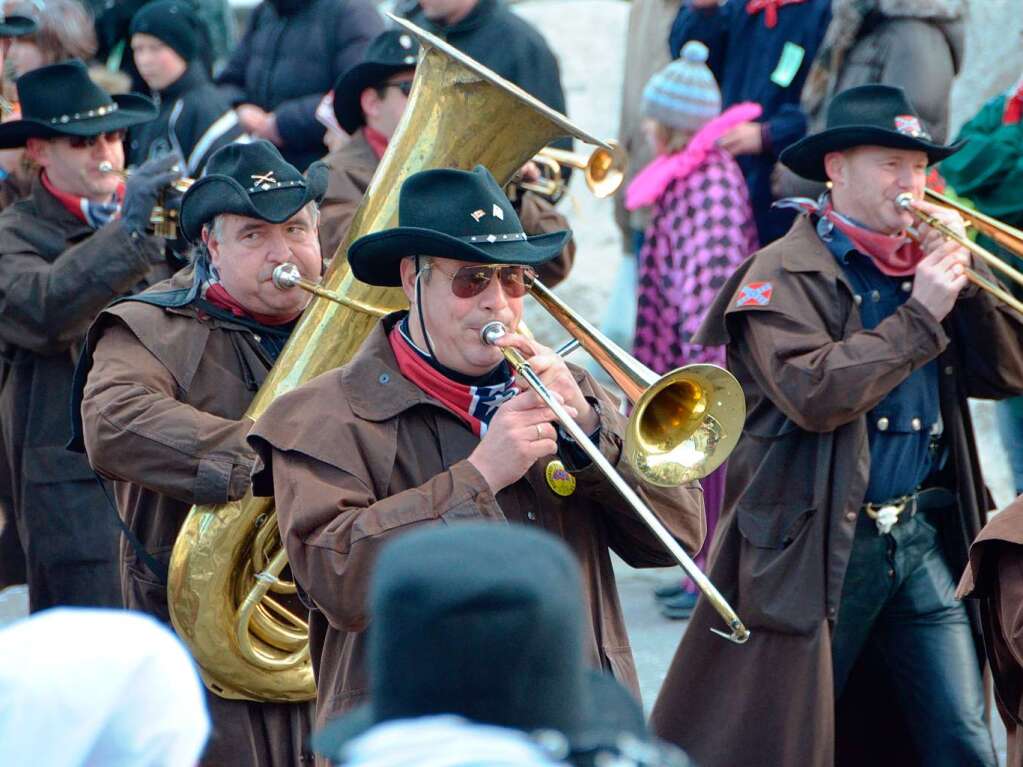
column 559, row 479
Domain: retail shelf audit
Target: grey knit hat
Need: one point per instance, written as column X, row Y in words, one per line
column 684, row 94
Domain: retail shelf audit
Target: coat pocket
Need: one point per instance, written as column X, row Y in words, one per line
column 143, row 590
column 781, row 568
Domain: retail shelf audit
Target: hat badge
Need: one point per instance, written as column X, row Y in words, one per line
column 478, row 214
column 264, row 180
column 909, row 125
column 405, row 42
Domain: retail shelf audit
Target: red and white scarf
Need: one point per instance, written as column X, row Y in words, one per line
column 475, row 405
column 95, row 214
column 894, row 255
column 770, row 9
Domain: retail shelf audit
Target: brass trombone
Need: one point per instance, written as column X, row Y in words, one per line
column 603, row 169
column 1009, row 237
column 683, row 425
column 905, row 201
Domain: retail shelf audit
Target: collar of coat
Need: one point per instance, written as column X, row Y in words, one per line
column 1005, row 527
column 191, row 78
column 356, row 154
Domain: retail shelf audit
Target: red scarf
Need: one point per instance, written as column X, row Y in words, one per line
column 475, row 405
column 377, row 141
column 894, row 255
column 1013, row 107
column 95, row 215
column 770, row 9
column 217, row 295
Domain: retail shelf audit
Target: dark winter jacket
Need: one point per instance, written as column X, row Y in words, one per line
column 506, row 43
column 292, row 53
column 766, row 65
column 194, row 121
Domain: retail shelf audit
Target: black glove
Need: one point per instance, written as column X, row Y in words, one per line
column 143, row 188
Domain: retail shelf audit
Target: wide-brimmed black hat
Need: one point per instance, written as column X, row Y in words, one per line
column 16, row 26
column 867, row 115
column 251, row 180
column 62, row 100
column 455, row 214
column 485, row 622
column 390, row 52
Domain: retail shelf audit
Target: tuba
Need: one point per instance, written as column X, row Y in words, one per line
column 225, row 581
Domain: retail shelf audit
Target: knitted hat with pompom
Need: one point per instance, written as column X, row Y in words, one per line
column 683, row 95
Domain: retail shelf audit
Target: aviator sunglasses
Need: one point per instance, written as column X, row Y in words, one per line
column 405, row 86
column 470, row 281
column 80, row 142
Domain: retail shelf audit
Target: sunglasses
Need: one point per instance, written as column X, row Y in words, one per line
column 404, row 86
column 81, row 142
column 470, row 281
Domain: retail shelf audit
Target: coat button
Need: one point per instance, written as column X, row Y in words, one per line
column 851, row 516
column 949, row 370
column 858, row 299
column 882, row 424
column 531, row 515
column 384, row 378
column 906, row 286
column 916, row 423
column 875, row 296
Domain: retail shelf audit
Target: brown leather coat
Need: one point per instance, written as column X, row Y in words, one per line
column 162, row 415
column 796, row 482
column 352, row 168
column 360, row 454
column 56, row 274
column 994, row 576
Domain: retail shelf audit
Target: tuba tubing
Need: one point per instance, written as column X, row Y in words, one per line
column 228, row 558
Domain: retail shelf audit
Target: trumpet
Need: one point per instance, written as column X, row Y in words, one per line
column 163, row 219
column 603, row 169
column 906, row 202
column 738, row 633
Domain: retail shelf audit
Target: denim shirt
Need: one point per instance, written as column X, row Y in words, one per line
column 903, row 427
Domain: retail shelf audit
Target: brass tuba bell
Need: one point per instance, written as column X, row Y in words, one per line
column 228, row 560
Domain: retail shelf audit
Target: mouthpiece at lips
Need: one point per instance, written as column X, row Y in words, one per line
column 904, row 200
column 286, row 276
column 491, row 332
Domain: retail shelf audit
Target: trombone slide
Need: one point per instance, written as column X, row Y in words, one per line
column 490, row 333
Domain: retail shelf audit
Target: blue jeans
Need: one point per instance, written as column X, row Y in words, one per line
column 1010, row 427
column 898, row 601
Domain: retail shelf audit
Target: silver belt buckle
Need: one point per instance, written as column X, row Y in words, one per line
column 886, row 518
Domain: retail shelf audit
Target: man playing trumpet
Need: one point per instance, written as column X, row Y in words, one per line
column 166, row 378
column 425, row 425
column 855, row 490
column 77, row 241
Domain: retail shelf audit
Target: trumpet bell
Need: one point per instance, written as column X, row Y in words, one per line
column 684, row 425
column 605, row 170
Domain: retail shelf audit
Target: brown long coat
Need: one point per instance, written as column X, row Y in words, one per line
column 994, row 576
column 162, row 415
column 796, row 481
column 56, row 274
column 359, row 454
column 352, row 168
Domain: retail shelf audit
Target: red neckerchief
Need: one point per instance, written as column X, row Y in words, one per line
column 1013, row 107
column 73, row 202
column 473, row 404
column 770, row 9
column 896, row 256
column 377, row 141
column 217, row 295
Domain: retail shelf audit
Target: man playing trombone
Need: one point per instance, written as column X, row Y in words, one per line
column 856, row 489
column 426, row 426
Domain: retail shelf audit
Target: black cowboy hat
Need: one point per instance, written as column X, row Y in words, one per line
column 485, row 622
column 62, row 100
column 250, row 180
column 16, row 26
column 390, row 52
column 867, row 115
column 451, row 214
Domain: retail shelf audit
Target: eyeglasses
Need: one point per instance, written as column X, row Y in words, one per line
column 81, row 142
column 405, row 86
column 470, row 281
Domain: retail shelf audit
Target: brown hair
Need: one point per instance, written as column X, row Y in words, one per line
column 672, row 139
column 65, row 28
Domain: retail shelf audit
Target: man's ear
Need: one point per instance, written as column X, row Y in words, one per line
column 209, row 239
column 408, row 278
column 835, row 167
column 38, row 151
column 369, row 102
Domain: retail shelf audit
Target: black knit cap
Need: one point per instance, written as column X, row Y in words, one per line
column 173, row 23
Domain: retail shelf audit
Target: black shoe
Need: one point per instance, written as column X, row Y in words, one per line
column 668, row 592
column 680, row 607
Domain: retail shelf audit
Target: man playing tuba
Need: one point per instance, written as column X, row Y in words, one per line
column 425, row 425
column 169, row 376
